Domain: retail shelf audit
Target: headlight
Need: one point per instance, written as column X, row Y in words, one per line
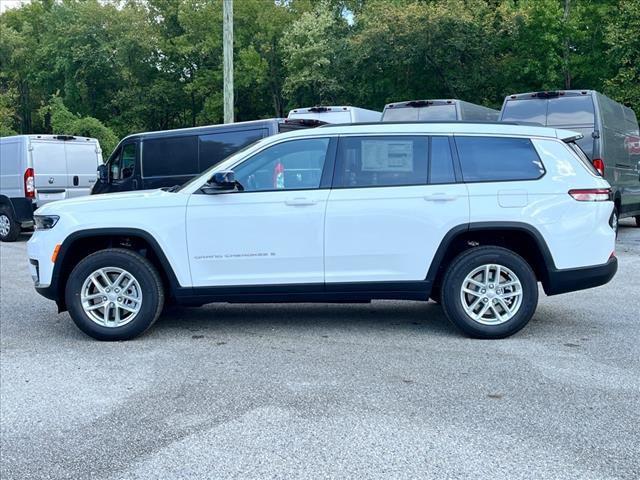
column 45, row 222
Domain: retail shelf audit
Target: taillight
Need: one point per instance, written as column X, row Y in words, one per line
column 29, row 184
column 598, row 164
column 591, row 194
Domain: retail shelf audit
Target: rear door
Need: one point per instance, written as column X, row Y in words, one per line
column 390, row 208
column 83, row 158
column 50, row 168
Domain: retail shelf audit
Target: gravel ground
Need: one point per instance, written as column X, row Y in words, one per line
column 387, row 390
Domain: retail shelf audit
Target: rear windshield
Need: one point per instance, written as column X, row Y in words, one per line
column 571, row 111
column 567, row 111
column 525, row 111
column 583, row 157
column 409, row 114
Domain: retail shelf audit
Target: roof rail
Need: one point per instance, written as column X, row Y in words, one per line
column 421, row 122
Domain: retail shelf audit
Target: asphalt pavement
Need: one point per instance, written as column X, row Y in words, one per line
column 386, row 390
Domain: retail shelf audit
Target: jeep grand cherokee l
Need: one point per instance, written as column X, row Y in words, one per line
column 473, row 216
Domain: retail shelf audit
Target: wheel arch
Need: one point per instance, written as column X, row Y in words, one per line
column 519, row 237
column 79, row 244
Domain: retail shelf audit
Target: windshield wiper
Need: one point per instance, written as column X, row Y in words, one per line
column 175, row 188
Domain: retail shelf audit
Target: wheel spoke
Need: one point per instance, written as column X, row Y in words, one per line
column 95, row 306
column 471, row 292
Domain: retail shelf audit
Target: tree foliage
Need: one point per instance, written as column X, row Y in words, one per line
column 114, row 67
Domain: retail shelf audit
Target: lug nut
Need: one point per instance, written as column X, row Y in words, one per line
column 484, row 290
column 491, row 285
column 117, row 290
column 104, row 299
column 485, row 299
column 107, row 289
column 119, row 299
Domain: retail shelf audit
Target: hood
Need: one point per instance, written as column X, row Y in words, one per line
column 114, row 201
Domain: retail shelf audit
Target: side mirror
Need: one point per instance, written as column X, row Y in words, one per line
column 221, row 182
column 103, row 173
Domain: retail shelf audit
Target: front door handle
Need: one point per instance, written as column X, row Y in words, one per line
column 440, row 197
column 300, row 201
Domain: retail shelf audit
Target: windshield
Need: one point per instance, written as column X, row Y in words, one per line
column 223, row 165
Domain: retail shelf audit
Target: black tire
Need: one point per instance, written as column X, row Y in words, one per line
column 464, row 264
column 143, row 271
column 14, row 227
column 637, row 220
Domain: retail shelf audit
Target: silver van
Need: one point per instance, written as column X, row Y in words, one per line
column 36, row 169
column 439, row 110
column 611, row 139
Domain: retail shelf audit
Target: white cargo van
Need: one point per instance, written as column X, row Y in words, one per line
column 36, row 169
column 335, row 114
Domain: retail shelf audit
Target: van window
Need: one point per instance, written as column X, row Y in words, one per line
column 571, row 111
column 534, row 111
column 170, row 156
column 441, row 161
column 293, row 165
column 381, row 161
column 433, row 112
column 492, row 159
column 124, row 164
column 215, row 147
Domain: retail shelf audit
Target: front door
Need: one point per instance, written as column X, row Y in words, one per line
column 272, row 232
column 123, row 166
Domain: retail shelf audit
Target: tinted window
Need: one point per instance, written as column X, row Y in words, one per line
column 441, row 163
column 124, row 163
column 290, row 165
column 570, row 111
column 486, row 159
column 217, row 146
column 171, row 156
column 381, row 161
column 525, row 111
column 408, row 114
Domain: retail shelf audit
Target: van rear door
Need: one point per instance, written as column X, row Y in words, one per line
column 83, row 158
column 50, row 167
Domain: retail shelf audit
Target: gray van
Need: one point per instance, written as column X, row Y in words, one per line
column 611, row 138
column 36, row 169
column 438, row 110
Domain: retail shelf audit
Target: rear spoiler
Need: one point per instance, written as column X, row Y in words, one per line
column 571, row 138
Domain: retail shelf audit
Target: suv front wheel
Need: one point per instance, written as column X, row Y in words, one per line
column 114, row 294
column 489, row 292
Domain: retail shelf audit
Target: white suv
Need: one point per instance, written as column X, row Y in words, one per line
column 470, row 215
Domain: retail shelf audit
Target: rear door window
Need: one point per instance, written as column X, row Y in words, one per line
column 171, row 156
column 215, row 147
column 494, row 159
column 381, row 161
column 534, row 110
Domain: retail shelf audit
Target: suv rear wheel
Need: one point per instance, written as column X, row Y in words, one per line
column 489, row 292
column 114, row 294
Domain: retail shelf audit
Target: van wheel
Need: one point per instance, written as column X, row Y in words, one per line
column 9, row 227
column 489, row 292
column 114, row 294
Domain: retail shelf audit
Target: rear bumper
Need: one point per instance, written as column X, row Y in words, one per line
column 570, row 280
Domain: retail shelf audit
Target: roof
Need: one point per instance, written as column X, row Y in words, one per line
column 205, row 129
column 486, row 128
column 48, row 137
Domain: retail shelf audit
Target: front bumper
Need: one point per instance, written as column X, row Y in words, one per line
column 572, row 279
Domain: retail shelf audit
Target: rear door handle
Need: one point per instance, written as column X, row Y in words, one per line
column 300, row 201
column 440, row 197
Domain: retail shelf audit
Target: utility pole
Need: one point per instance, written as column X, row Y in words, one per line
column 227, row 51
